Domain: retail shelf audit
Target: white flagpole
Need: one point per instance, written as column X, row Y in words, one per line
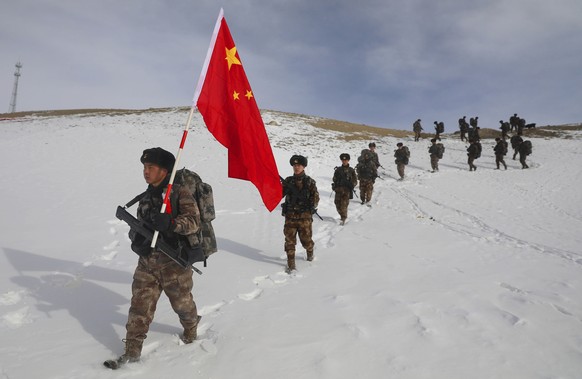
column 188, row 123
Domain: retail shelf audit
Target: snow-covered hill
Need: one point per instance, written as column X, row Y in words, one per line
column 455, row 274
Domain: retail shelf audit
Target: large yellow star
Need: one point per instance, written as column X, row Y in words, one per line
column 249, row 95
column 231, row 57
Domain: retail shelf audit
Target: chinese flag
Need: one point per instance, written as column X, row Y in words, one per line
column 227, row 104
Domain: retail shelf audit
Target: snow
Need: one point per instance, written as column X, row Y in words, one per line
column 454, row 274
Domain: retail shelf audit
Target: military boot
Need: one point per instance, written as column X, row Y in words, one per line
column 132, row 354
column 191, row 332
column 290, row 261
column 310, row 253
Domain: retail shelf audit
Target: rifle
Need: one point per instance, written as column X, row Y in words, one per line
column 178, row 255
column 295, row 191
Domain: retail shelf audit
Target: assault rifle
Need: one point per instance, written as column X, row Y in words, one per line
column 182, row 256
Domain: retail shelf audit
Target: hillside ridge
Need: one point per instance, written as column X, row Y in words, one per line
column 356, row 131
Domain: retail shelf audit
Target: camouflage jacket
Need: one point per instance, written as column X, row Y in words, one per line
column 183, row 208
column 344, row 176
column 301, row 196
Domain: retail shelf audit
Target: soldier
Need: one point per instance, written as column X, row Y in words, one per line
column 417, row 128
column 513, row 121
column 343, row 183
column 367, row 170
column 473, row 152
column 156, row 272
column 301, row 200
column 372, row 147
column 463, row 128
column 439, row 127
column 436, row 151
column 402, row 155
column 500, row 150
column 524, row 149
column 504, row 129
column 515, row 140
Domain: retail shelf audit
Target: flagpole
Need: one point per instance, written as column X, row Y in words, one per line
column 208, row 56
column 187, row 127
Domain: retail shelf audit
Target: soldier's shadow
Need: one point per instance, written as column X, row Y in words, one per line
column 57, row 284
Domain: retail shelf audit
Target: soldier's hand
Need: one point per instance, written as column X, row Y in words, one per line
column 163, row 222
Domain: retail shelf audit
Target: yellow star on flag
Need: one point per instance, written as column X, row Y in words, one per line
column 231, row 57
column 235, row 95
column 249, row 95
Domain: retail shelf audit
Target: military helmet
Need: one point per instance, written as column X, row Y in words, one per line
column 298, row 159
column 345, row 156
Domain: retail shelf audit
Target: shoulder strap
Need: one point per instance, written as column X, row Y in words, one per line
column 135, row 199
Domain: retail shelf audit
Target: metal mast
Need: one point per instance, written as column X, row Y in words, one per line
column 15, row 89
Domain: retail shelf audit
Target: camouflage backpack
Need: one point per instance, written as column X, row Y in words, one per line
column 527, row 147
column 440, row 150
column 366, row 167
column 202, row 193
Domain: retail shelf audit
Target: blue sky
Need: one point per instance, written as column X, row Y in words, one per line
column 381, row 63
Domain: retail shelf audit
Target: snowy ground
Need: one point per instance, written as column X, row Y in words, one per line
column 449, row 275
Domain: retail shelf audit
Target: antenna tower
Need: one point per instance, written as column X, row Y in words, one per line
column 15, row 89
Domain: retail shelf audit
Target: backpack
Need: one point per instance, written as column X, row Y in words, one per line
column 440, row 150
column 203, row 195
column 441, row 127
column 366, row 167
column 475, row 149
column 402, row 155
column 527, row 147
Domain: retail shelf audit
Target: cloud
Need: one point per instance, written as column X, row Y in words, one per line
column 376, row 62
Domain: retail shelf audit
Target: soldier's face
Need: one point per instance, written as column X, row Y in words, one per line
column 154, row 174
column 298, row 169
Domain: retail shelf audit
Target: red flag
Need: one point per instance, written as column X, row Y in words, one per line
column 227, row 104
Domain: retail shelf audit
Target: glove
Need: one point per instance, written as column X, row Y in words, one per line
column 163, row 222
column 313, row 210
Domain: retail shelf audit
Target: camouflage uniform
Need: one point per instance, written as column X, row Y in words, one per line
column 367, row 172
column 402, row 155
column 157, row 273
column 463, row 128
column 301, row 199
column 344, row 182
column 500, row 150
column 417, row 128
column 433, row 150
column 523, row 153
column 472, row 152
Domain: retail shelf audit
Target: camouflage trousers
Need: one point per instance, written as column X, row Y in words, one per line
column 522, row 158
column 470, row 161
column 366, row 189
column 153, row 275
column 342, row 200
column 434, row 162
column 302, row 227
column 499, row 160
column 400, row 168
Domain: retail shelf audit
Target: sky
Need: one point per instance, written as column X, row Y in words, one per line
column 447, row 275
column 380, row 63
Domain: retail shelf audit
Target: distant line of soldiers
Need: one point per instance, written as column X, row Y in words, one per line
column 302, row 197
